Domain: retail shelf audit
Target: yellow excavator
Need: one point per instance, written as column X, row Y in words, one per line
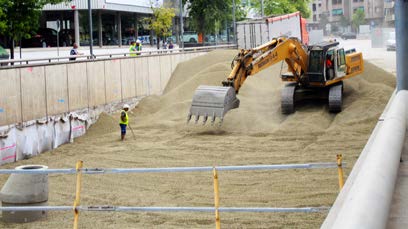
column 317, row 70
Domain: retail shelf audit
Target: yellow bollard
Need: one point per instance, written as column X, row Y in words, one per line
column 340, row 170
column 216, row 200
column 79, row 165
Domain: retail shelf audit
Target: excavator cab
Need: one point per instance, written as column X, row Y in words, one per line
column 326, row 62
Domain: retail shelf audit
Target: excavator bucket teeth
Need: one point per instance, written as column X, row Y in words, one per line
column 212, row 102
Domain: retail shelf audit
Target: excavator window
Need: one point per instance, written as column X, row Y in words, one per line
column 316, row 61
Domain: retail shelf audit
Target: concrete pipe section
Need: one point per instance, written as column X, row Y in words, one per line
column 25, row 190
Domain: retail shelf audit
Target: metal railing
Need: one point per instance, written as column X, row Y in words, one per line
column 79, row 170
column 82, row 58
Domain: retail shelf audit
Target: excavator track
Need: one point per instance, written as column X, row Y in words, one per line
column 336, row 98
column 288, row 98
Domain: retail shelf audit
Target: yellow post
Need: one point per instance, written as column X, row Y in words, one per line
column 216, row 200
column 77, row 193
column 340, row 170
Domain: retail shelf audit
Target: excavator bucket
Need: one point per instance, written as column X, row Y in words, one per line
column 211, row 102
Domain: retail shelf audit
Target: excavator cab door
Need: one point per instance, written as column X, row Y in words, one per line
column 330, row 66
column 341, row 63
column 316, row 66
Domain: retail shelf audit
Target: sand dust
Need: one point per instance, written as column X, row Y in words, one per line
column 256, row 133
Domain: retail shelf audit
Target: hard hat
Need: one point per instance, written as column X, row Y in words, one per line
column 126, row 106
column 137, row 41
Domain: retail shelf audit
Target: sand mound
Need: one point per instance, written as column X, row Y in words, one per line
column 260, row 99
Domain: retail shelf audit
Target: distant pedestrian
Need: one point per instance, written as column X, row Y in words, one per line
column 132, row 48
column 138, row 46
column 124, row 121
column 171, row 46
column 75, row 52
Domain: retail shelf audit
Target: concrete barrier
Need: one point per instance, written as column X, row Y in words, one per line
column 365, row 200
column 96, row 83
column 78, row 97
column 56, row 84
column 33, row 93
column 10, row 94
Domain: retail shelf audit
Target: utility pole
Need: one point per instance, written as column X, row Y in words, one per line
column 262, row 8
column 401, row 33
column 90, row 29
column 233, row 21
column 181, row 25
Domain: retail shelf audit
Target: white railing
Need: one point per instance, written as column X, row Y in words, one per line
column 82, row 58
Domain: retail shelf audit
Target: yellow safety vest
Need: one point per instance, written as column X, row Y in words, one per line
column 126, row 122
column 132, row 50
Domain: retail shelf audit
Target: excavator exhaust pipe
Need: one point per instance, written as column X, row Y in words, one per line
column 212, row 102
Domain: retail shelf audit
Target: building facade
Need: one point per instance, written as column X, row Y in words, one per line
column 115, row 22
column 339, row 13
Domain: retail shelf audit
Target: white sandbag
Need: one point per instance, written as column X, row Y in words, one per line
column 45, row 130
column 27, row 140
column 62, row 131
column 8, row 145
column 78, row 125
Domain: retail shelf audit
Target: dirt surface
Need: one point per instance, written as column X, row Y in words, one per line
column 256, row 133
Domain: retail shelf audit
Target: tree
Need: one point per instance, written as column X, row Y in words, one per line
column 358, row 19
column 279, row 7
column 324, row 20
column 20, row 18
column 205, row 14
column 344, row 21
column 161, row 22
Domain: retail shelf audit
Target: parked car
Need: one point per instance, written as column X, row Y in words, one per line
column 45, row 37
column 390, row 43
column 348, row 35
column 3, row 55
column 190, row 37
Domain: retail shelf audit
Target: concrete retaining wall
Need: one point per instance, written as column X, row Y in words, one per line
column 42, row 107
column 32, row 93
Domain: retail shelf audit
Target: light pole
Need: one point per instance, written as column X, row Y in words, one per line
column 233, row 21
column 262, row 8
column 181, row 25
column 90, row 29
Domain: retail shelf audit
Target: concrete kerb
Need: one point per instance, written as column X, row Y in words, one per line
column 365, row 200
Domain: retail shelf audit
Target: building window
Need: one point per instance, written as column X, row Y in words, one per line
column 314, row 7
column 337, row 12
column 335, row 2
column 358, row 8
column 314, row 18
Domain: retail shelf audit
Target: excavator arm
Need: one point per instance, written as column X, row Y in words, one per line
column 216, row 101
column 250, row 62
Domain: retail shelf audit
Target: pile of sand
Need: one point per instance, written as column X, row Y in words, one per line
column 255, row 133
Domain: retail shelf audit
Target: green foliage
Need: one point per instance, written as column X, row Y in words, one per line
column 344, row 21
column 162, row 21
column 358, row 19
column 204, row 14
column 279, row 7
column 20, row 18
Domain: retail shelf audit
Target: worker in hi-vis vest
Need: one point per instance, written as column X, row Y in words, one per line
column 124, row 121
